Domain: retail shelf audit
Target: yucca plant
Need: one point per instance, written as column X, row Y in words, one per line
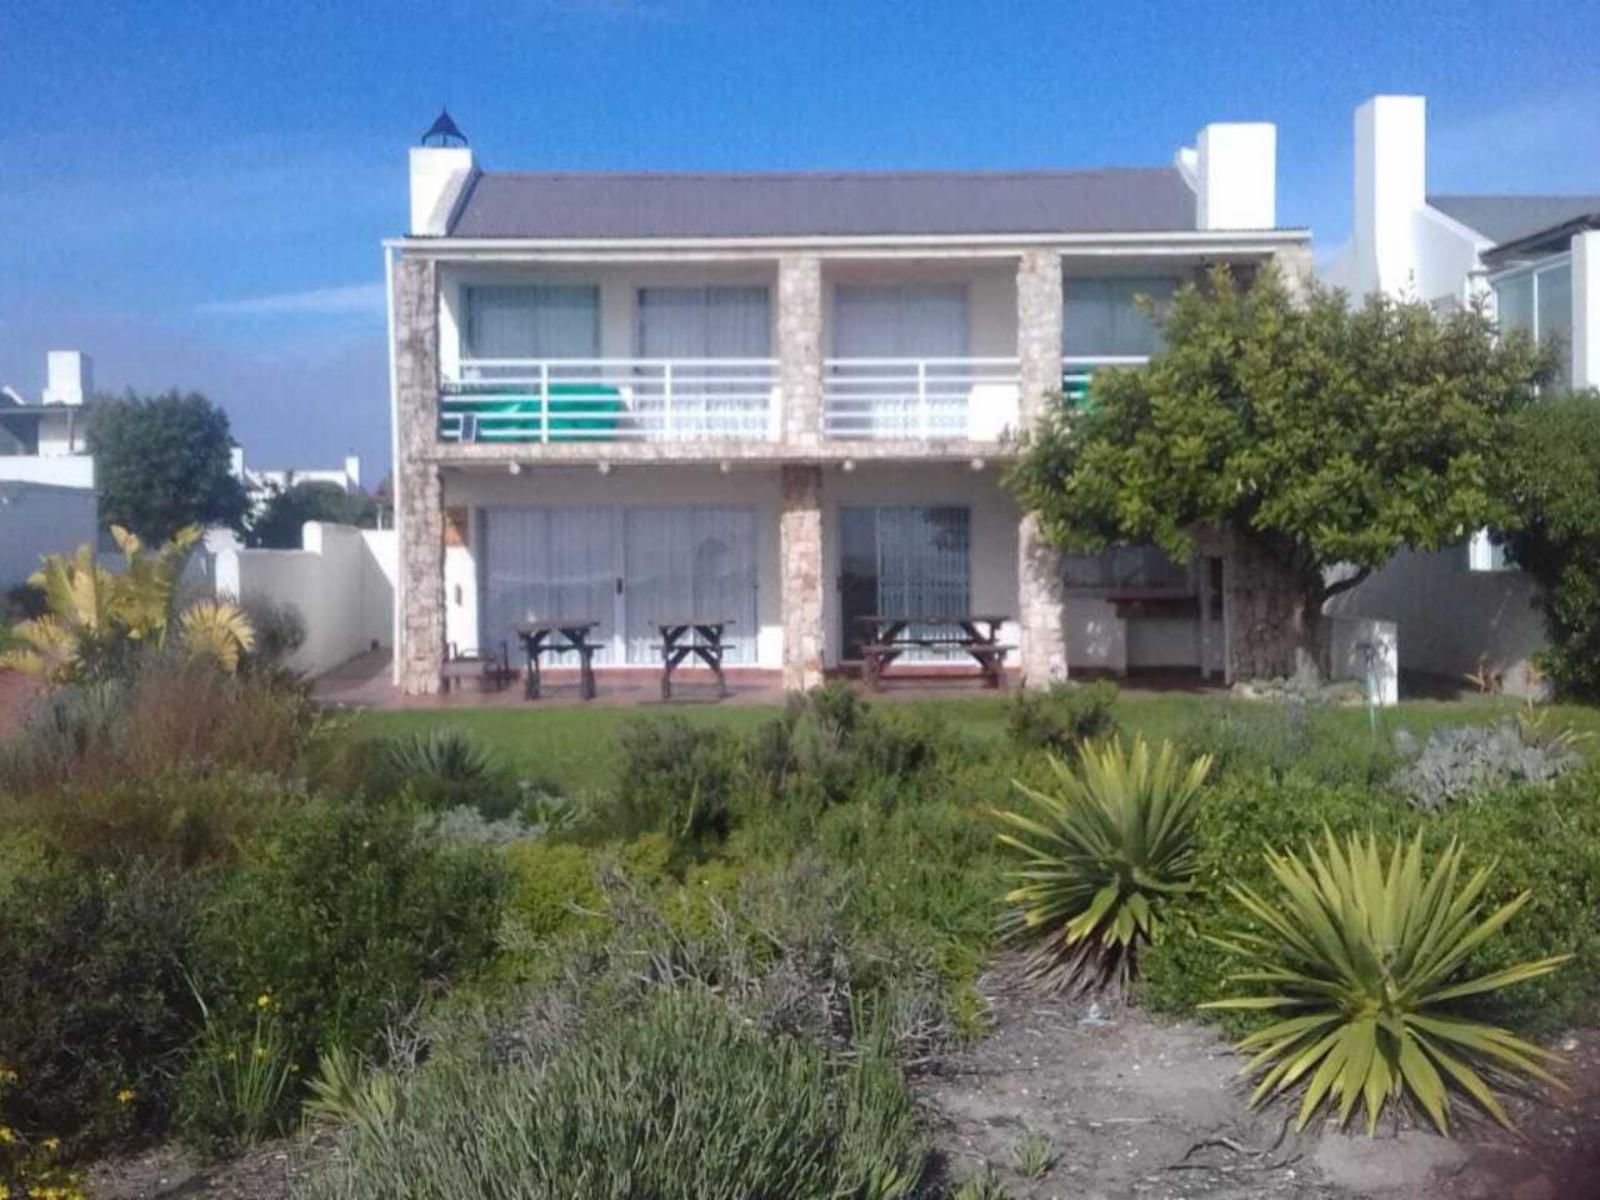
column 1101, row 857
column 443, row 754
column 1370, row 957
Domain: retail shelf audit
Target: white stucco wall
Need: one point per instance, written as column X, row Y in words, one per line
column 1452, row 620
column 36, row 520
column 341, row 581
column 56, row 470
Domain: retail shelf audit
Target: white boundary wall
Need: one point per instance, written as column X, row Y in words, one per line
column 37, row 519
column 342, row 581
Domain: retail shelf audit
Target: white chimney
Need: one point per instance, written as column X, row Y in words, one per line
column 69, row 377
column 1234, row 172
column 352, row 472
column 1391, row 183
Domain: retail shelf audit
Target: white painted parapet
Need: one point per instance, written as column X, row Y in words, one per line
column 1367, row 650
column 1586, row 309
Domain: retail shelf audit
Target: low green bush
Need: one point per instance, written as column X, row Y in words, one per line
column 345, row 918
column 676, row 778
column 749, row 1115
column 446, row 768
column 95, row 1006
column 1063, row 717
column 555, row 888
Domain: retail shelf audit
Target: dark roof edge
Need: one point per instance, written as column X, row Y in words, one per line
column 1543, row 239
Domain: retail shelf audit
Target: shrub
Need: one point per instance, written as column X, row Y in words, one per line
column 749, row 1116
column 1464, row 762
column 166, row 716
column 1103, row 857
column 676, row 778
column 1369, row 958
column 1289, row 739
column 555, row 888
column 347, row 916
column 280, row 631
column 1063, row 717
column 1553, row 459
column 95, row 1009
column 445, row 768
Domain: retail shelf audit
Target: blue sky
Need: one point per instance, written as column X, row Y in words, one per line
column 195, row 193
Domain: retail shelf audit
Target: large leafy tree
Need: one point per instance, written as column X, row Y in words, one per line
column 1318, row 438
column 278, row 525
column 163, row 463
column 1554, row 478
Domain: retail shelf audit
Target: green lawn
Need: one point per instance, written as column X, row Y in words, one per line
column 571, row 747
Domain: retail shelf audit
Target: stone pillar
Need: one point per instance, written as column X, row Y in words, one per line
column 800, row 347
column 1039, row 308
column 1041, row 595
column 420, row 494
column 1297, row 268
column 800, row 549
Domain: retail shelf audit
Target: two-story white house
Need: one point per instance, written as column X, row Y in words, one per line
column 1534, row 260
column 48, row 442
column 784, row 400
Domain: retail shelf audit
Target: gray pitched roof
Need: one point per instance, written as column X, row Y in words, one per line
column 1506, row 218
column 1117, row 200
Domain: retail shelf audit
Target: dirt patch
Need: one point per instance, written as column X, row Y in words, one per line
column 170, row 1173
column 1133, row 1106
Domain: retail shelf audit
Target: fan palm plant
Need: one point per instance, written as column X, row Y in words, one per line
column 1371, row 957
column 98, row 618
column 1101, row 857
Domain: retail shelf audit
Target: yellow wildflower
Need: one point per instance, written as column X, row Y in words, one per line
column 264, row 999
column 52, row 1144
column 261, row 1052
column 126, row 1096
column 6, row 1136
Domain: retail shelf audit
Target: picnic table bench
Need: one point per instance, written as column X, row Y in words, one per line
column 490, row 666
column 558, row 636
column 682, row 639
column 888, row 637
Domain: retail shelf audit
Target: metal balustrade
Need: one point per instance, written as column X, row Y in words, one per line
column 1076, row 372
column 919, row 398
column 505, row 400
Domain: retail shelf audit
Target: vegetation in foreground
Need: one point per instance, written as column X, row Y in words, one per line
column 410, row 937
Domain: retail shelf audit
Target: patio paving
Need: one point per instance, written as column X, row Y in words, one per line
column 364, row 682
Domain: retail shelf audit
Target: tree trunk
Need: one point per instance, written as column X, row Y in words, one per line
column 1275, row 625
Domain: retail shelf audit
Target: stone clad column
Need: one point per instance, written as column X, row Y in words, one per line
column 800, row 347
column 800, row 552
column 1041, row 594
column 418, row 490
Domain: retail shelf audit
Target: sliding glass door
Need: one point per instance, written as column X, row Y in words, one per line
column 690, row 564
column 903, row 562
column 628, row 569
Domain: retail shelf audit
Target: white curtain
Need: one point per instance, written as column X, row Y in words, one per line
column 686, row 565
column 546, row 563
column 535, row 321
column 924, row 320
column 701, row 323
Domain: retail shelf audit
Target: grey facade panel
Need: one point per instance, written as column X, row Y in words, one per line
column 1120, row 200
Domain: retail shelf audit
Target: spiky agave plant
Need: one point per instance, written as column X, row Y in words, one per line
column 1102, row 855
column 1369, row 956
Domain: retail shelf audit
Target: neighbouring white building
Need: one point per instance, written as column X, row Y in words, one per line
column 48, row 503
column 47, row 442
column 261, row 483
column 1535, row 261
column 786, row 400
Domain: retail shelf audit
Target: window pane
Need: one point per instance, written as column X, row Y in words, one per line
column 538, row 321
column 1126, row 569
column 1102, row 317
column 1555, row 316
column 1514, row 301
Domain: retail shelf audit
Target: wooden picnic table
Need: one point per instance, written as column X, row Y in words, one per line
column 699, row 638
column 560, row 635
column 888, row 637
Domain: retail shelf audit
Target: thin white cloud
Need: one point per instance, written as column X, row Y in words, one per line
column 356, row 299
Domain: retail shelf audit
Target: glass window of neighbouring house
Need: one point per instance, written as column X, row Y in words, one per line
column 1514, row 302
column 1554, row 299
column 532, row 321
column 1102, row 318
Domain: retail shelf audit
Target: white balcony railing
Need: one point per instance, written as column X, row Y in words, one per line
column 505, row 400
column 1076, row 371
column 913, row 398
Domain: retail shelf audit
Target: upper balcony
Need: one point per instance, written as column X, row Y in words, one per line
column 567, row 400
column 577, row 362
